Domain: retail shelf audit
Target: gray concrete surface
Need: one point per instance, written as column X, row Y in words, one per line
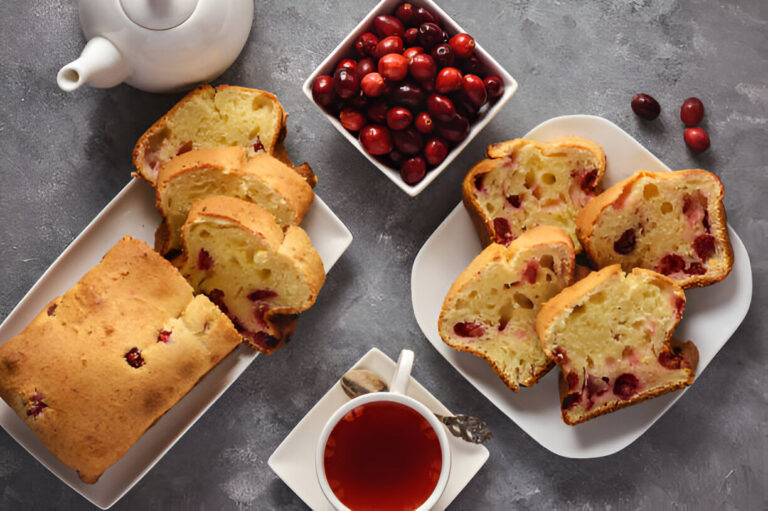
column 64, row 156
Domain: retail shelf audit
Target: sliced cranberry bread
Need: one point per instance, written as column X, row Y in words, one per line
column 213, row 171
column 209, row 117
column 239, row 257
column 670, row 222
column 491, row 308
column 101, row 363
column 523, row 184
column 611, row 335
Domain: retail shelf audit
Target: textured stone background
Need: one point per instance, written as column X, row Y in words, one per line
column 64, row 156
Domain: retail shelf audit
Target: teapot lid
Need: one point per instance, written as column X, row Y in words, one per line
column 158, row 14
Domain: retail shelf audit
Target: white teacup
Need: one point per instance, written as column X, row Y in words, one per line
column 390, row 430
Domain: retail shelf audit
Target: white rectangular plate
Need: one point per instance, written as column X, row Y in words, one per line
column 132, row 212
column 712, row 314
column 294, row 458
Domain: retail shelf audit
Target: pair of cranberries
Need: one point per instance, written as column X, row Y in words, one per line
column 410, row 90
column 691, row 113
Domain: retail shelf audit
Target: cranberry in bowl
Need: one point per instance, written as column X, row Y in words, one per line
column 418, row 87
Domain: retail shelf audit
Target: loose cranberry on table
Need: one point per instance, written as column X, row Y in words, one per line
column 645, row 107
column 692, row 111
column 366, row 43
column 375, row 139
column 448, row 80
column 393, row 67
column 463, row 45
column 373, row 85
column 697, row 139
column 386, row 25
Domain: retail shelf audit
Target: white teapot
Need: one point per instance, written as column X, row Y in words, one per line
column 157, row 45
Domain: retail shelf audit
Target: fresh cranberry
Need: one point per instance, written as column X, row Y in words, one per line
column 570, row 400
column 471, row 66
column 217, row 297
column 408, row 94
column 670, row 359
column 463, row 45
column 364, row 66
column 704, row 246
column 572, row 379
column 422, row 15
column 430, row 35
column 408, row 141
column 413, row 170
column 468, row 329
column 347, row 64
column 411, row 36
column 263, row 340
column 375, row 139
column 448, row 80
column 204, row 260
column 514, row 201
column 502, row 231
column 422, row 67
column 454, row 130
column 373, row 85
column 359, row 102
column 393, row 67
column 440, row 107
column 464, row 105
column 474, row 88
column 443, row 55
column 377, row 113
column 626, row 385
column 412, row 52
column 423, row 123
column 391, row 44
column 134, row 358
column 692, row 111
column 396, row 157
column 435, row 150
column 399, row 118
column 345, row 83
column 587, row 178
column 385, row 25
column 626, row 242
column 366, row 44
column 35, row 405
column 164, row 336
column 404, row 12
column 494, row 86
column 352, row 119
column 322, row 90
column 697, row 139
column 695, row 268
column 645, row 106
column 669, row 264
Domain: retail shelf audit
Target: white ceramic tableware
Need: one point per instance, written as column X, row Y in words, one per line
column 396, row 394
column 157, row 45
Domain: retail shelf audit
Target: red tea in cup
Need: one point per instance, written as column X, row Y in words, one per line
column 383, row 455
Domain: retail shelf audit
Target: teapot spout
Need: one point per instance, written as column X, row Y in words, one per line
column 100, row 64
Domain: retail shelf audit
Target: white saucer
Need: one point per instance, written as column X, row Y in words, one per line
column 293, row 460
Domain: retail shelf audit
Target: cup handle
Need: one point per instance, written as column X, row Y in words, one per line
column 402, row 375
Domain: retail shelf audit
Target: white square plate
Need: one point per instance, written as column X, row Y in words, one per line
column 132, row 212
column 711, row 316
column 346, row 48
column 294, row 459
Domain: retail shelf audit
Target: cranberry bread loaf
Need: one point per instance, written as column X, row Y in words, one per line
column 670, row 222
column 212, row 171
column 611, row 335
column 95, row 369
column 239, row 257
column 491, row 308
column 209, row 117
column 523, row 184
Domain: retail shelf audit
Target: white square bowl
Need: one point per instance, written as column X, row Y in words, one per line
column 346, row 47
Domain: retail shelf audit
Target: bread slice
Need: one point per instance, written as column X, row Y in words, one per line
column 212, row 171
column 101, row 363
column 523, row 184
column 670, row 222
column 239, row 257
column 491, row 308
column 611, row 335
column 208, row 117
